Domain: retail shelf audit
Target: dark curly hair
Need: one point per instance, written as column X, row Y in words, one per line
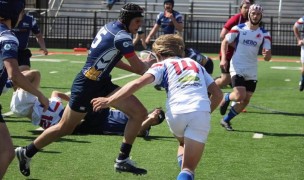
column 130, row 11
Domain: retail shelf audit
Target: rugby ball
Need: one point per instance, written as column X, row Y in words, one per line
column 147, row 55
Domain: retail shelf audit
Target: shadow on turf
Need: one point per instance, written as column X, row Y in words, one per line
column 164, row 138
column 52, row 87
column 278, row 113
column 272, row 134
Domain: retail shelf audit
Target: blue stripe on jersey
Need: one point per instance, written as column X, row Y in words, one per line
column 241, row 26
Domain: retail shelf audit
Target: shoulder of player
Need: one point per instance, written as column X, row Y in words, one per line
column 235, row 17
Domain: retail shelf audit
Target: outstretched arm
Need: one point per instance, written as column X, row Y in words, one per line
column 126, row 91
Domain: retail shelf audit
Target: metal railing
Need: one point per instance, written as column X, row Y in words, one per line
column 69, row 32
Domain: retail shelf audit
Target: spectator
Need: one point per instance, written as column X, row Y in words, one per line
column 170, row 21
column 188, row 116
column 27, row 25
column 244, row 62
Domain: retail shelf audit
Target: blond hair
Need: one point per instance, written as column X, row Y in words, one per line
column 169, row 45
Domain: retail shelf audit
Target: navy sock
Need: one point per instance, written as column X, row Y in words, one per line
column 185, row 175
column 227, row 97
column 232, row 113
column 31, row 150
column 125, row 150
column 9, row 83
column 302, row 78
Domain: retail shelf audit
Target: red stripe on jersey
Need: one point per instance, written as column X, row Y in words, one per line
column 299, row 22
column 56, row 106
column 233, row 31
column 129, row 54
column 267, row 37
column 156, row 65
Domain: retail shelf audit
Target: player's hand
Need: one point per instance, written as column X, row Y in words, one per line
column 266, row 54
column 224, row 64
column 44, row 101
column 99, row 103
column 300, row 43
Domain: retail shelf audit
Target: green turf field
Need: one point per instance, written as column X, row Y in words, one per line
column 275, row 111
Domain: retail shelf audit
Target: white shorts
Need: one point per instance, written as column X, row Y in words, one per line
column 302, row 54
column 22, row 103
column 249, row 73
column 194, row 125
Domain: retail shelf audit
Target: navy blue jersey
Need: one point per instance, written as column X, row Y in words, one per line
column 166, row 24
column 8, row 44
column 27, row 25
column 111, row 43
column 105, row 121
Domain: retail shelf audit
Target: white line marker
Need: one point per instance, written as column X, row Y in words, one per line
column 48, row 60
column 257, row 136
column 53, row 72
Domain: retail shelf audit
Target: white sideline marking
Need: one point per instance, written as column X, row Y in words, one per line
column 257, row 136
column 53, row 72
column 48, row 60
column 68, row 93
column 285, row 68
column 287, row 80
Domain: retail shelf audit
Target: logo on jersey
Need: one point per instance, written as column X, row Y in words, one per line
column 7, row 47
column 258, row 36
column 188, row 78
column 127, row 44
column 249, row 42
column 10, row 46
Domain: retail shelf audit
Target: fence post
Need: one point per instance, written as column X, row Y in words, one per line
column 95, row 24
column 271, row 29
column 68, row 32
column 197, row 34
column 45, row 32
column 230, row 10
column 191, row 18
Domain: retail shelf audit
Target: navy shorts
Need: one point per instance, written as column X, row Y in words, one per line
column 209, row 66
column 1, row 117
column 84, row 90
column 24, row 57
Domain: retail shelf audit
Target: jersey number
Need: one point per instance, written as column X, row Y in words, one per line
column 185, row 66
column 98, row 37
column 45, row 121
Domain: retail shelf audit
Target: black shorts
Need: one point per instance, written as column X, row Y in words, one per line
column 1, row 117
column 24, row 57
column 84, row 90
column 238, row 80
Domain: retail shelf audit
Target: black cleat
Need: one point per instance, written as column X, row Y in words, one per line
column 127, row 165
column 226, row 125
column 157, row 87
column 24, row 162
